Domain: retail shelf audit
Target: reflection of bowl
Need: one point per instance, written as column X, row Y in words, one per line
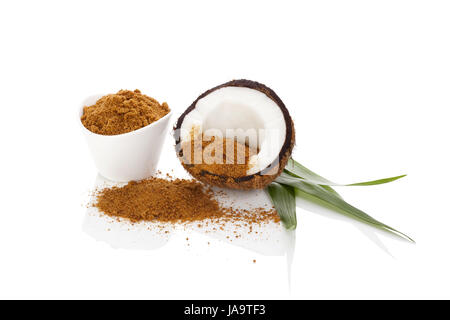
column 129, row 156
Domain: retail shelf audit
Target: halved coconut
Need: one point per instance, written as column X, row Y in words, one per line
column 251, row 114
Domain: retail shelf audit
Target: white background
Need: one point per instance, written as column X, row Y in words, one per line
column 367, row 84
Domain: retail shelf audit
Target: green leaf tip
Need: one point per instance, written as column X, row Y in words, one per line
column 296, row 169
column 376, row 182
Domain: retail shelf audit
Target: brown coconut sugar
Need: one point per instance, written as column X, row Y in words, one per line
column 174, row 201
column 232, row 160
column 122, row 112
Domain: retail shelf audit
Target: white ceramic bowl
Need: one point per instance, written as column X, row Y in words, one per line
column 128, row 156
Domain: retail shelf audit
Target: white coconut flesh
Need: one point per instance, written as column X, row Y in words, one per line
column 243, row 112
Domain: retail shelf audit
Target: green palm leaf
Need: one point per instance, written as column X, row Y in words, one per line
column 283, row 199
column 300, row 171
column 326, row 196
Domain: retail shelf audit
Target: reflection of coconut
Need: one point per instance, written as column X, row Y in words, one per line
column 251, row 115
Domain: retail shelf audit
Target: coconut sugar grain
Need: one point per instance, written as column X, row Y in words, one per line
column 122, row 112
column 231, row 163
column 175, row 201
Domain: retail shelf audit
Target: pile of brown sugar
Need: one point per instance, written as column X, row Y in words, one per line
column 174, row 201
column 122, row 112
column 231, row 161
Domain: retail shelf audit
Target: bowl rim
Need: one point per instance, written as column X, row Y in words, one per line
column 137, row 131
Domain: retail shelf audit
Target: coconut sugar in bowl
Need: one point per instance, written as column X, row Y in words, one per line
column 124, row 133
